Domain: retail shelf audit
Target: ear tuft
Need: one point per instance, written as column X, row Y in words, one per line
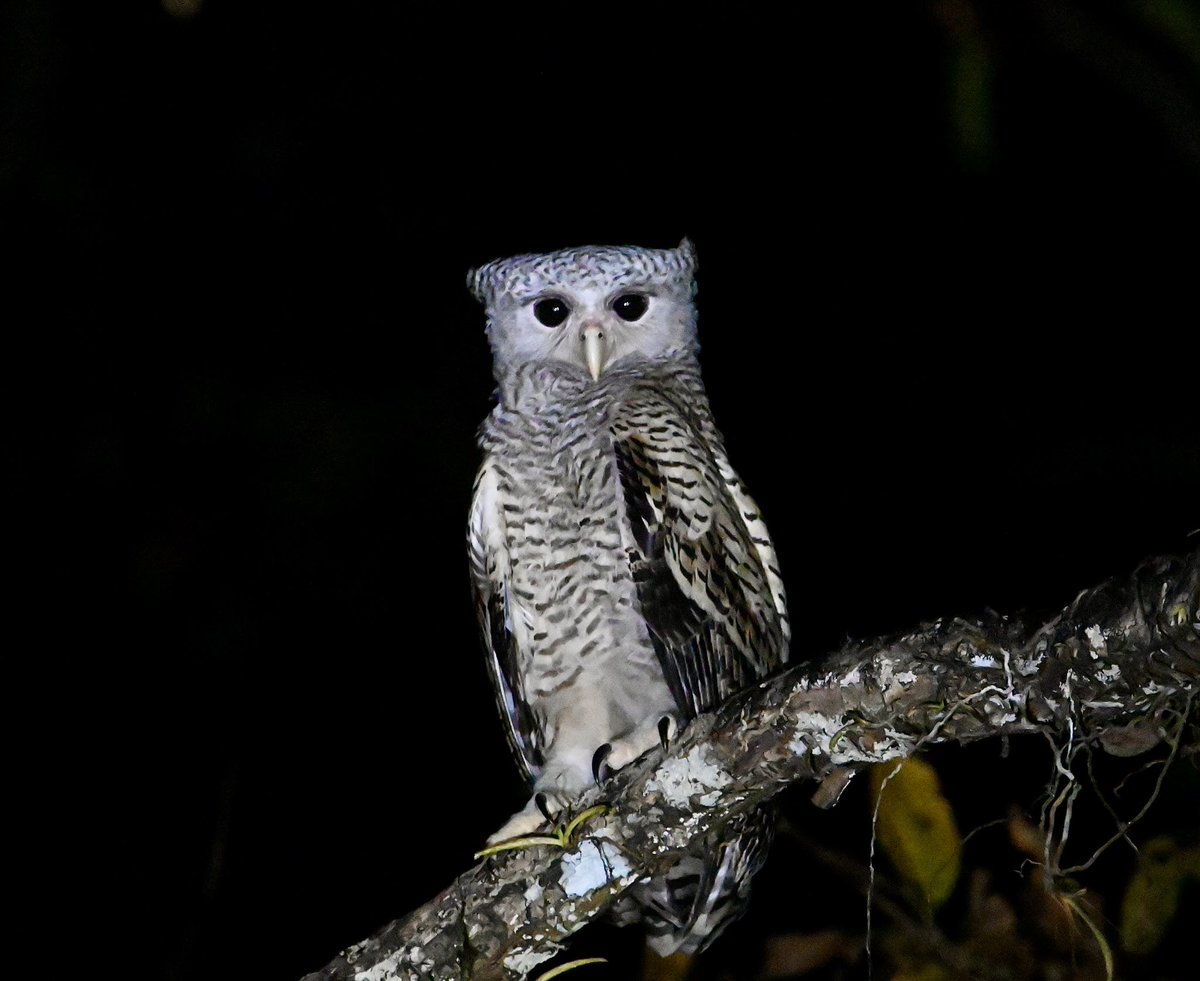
column 479, row 282
column 687, row 254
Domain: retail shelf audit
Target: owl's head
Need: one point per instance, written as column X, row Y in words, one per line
column 591, row 308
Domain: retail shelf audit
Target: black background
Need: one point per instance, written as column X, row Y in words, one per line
column 951, row 344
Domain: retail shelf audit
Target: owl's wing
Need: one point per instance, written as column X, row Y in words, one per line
column 487, row 545
column 704, row 566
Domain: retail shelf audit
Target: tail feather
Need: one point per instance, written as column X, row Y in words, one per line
column 686, row 908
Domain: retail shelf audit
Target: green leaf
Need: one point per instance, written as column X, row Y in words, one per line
column 1153, row 894
column 915, row 826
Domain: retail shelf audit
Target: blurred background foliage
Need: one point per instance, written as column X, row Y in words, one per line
column 948, row 248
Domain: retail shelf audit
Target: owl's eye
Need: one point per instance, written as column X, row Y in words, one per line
column 551, row 311
column 630, row 306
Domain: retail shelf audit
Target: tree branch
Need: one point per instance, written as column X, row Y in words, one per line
column 1115, row 668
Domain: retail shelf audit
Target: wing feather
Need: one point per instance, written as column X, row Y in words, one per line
column 488, row 549
column 699, row 555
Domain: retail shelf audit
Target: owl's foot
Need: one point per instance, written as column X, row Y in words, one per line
column 516, row 832
column 530, row 818
column 620, row 753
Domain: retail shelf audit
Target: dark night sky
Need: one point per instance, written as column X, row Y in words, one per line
column 951, row 362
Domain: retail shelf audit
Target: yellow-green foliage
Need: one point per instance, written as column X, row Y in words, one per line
column 1153, row 893
column 916, row 828
column 923, row 972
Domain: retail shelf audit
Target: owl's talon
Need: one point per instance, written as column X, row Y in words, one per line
column 600, row 769
column 542, row 805
column 664, row 732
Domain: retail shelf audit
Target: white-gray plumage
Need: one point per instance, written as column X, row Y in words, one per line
column 623, row 574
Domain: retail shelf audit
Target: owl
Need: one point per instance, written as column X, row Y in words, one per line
column 624, row 578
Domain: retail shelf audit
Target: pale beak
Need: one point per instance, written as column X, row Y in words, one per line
column 593, row 349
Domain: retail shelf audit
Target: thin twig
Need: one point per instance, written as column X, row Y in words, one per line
column 1075, row 869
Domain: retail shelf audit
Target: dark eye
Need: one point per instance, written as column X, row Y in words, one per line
column 551, row 311
column 630, row 306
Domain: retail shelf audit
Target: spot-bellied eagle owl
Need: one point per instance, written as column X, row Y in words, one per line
column 624, row 578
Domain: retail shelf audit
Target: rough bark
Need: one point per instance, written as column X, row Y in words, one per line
column 1118, row 668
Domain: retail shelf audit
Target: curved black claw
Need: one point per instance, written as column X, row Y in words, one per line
column 599, row 762
column 664, row 732
column 540, row 799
